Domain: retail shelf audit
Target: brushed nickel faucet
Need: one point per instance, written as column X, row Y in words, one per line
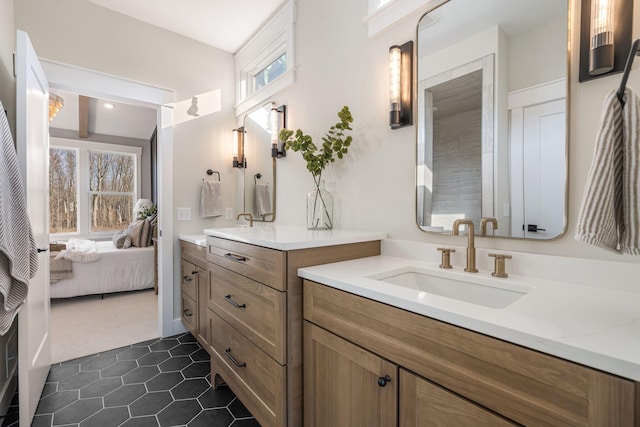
column 471, row 250
column 246, row 215
column 483, row 225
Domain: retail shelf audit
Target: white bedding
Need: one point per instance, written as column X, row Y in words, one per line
column 117, row 270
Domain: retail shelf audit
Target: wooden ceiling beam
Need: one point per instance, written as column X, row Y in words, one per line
column 83, row 117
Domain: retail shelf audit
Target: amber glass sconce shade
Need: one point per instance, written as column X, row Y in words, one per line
column 278, row 121
column 238, row 148
column 401, row 85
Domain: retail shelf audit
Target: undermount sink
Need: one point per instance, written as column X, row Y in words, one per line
column 488, row 292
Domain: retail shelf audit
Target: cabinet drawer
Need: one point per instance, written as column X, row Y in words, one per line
column 264, row 265
column 523, row 385
column 188, row 279
column 189, row 313
column 193, row 253
column 256, row 310
column 254, row 377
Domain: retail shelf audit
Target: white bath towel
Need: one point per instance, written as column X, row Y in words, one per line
column 210, row 199
column 262, row 200
column 610, row 213
column 18, row 252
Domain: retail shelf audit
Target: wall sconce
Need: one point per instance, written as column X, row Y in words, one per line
column 401, row 85
column 238, row 148
column 278, row 121
column 605, row 37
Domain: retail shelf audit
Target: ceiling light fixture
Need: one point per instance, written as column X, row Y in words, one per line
column 109, row 105
column 55, row 105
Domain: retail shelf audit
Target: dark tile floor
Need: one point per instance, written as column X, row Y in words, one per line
column 163, row 382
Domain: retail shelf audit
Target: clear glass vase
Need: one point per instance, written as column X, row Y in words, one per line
column 319, row 208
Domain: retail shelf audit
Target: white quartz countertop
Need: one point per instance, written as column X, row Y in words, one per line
column 593, row 326
column 286, row 238
column 196, row 239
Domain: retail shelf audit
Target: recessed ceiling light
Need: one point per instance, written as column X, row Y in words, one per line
column 109, row 105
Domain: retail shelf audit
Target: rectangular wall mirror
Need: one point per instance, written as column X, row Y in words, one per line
column 492, row 116
column 260, row 170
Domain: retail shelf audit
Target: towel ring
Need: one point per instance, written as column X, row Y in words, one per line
column 211, row 172
column 256, row 177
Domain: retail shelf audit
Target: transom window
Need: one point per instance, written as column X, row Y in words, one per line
column 265, row 64
column 270, row 72
column 92, row 187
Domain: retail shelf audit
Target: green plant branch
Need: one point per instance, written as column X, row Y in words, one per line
column 335, row 144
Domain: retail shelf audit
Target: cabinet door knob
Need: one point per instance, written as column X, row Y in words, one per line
column 382, row 381
column 186, row 278
column 188, row 313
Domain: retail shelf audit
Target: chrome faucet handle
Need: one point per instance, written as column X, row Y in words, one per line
column 446, row 257
column 499, row 269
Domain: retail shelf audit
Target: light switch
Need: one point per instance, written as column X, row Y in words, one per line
column 229, row 213
column 184, row 214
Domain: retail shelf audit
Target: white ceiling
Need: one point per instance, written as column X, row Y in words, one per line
column 225, row 24
column 124, row 120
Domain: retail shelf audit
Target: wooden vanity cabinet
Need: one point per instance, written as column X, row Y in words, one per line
column 346, row 385
column 194, row 288
column 255, row 320
column 450, row 375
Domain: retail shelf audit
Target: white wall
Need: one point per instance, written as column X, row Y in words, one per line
column 7, row 47
column 535, row 57
column 374, row 186
column 80, row 33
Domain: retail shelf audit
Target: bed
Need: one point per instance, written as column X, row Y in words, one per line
column 117, row 270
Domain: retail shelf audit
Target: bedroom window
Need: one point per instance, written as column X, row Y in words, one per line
column 63, row 190
column 92, row 187
column 111, row 190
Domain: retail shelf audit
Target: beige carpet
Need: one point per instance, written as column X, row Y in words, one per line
column 86, row 325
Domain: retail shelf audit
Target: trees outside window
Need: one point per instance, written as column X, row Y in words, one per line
column 63, row 190
column 92, row 187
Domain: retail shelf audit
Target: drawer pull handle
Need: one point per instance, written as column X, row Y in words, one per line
column 227, row 353
column 187, row 312
column 194, row 272
column 235, row 257
column 186, row 278
column 382, row 381
column 233, row 303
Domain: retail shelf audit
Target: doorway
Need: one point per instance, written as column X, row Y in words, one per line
column 99, row 85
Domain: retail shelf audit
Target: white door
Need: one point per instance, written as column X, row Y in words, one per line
column 544, row 169
column 32, row 145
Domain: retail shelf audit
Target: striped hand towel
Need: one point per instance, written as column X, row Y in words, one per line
column 18, row 254
column 610, row 213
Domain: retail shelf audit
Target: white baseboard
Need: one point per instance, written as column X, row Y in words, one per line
column 178, row 326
